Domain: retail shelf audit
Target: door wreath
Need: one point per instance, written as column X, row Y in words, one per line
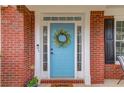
column 62, row 38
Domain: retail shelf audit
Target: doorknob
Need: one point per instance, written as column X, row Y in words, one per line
column 51, row 49
column 51, row 52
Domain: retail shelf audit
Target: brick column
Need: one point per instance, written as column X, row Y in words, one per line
column 28, row 41
column 13, row 72
column 0, row 46
column 97, row 46
column 32, row 43
column 17, row 45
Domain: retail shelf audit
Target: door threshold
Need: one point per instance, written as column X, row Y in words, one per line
column 62, row 78
column 62, row 81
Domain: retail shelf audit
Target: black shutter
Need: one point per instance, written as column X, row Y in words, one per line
column 109, row 40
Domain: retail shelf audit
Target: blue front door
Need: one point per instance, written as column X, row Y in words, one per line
column 62, row 56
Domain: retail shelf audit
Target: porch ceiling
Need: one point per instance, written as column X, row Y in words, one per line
column 69, row 8
column 115, row 6
column 64, row 8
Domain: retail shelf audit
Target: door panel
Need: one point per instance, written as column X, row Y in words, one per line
column 62, row 58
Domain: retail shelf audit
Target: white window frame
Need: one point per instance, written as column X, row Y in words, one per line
column 117, row 18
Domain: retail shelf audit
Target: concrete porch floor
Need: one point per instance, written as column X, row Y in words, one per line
column 107, row 83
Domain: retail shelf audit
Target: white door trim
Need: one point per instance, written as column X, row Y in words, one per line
column 85, row 29
column 77, row 23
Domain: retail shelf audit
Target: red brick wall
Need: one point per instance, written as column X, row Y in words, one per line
column 17, row 48
column 12, row 47
column 0, row 46
column 113, row 71
column 28, row 40
column 97, row 46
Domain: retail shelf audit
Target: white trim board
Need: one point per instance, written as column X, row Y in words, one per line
column 46, row 74
column 87, row 77
column 86, row 34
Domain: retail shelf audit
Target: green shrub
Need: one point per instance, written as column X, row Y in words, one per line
column 33, row 82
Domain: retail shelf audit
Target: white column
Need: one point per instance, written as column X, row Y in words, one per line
column 87, row 76
column 37, row 42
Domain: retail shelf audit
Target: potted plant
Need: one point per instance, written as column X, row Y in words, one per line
column 33, row 82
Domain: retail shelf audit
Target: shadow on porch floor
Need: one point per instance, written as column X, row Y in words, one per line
column 107, row 83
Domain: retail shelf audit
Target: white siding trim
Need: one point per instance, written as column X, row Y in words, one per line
column 48, row 47
column 37, row 41
column 87, row 76
column 75, row 51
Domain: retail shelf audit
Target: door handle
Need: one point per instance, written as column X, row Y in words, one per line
column 51, row 49
column 51, row 52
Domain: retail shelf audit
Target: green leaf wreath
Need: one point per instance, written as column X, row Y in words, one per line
column 62, row 43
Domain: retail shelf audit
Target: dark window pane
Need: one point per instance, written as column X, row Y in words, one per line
column 117, row 44
column 79, row 67
column 70, row 18
column 54, row 18
column 122, row 51
column 79, row 48
column 45, row 47
column 118, row 23
column 62, row 18
column 76, row 18
column 118, row 51
column 79, row 58
column 46, row 18
column 118, row 37
column 79, row 39
column 122, row 44
column 45, row 39
column 45, row 57
column 123, row 29
column 118, row 29
column 122, row 23
column 44, row 66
